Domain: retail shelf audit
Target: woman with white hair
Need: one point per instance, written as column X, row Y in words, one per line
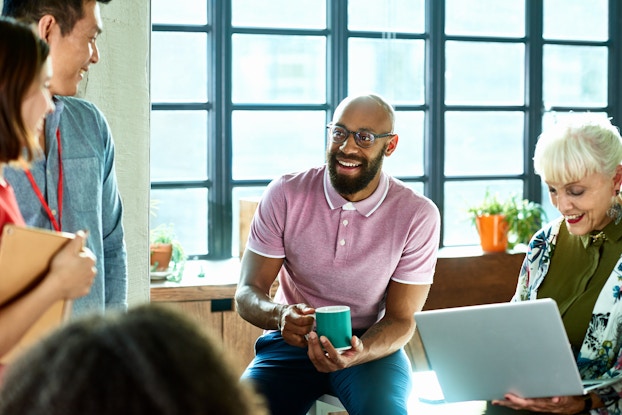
column 577, row 258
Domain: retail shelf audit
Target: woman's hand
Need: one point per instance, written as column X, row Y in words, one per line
column 72, row 270
column 556, row 404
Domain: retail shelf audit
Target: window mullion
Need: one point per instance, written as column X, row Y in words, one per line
column 337, row 44
column 615, row 62
column 219, row 136
column 533, row 90
column 434, row 135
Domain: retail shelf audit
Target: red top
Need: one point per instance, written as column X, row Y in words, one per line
column 9, row 211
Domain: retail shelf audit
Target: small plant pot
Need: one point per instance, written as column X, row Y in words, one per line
column 161, row 255
column 493, row 232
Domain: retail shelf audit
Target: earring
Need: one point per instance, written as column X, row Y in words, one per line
column 615, row 212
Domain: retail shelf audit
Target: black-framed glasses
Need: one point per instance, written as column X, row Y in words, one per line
column 363, row 139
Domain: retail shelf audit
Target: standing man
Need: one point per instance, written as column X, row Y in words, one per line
column 342, row 234
column 74, row 186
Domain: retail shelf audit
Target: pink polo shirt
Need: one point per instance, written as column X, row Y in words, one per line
column 340, row 252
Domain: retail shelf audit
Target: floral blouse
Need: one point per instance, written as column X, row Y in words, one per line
column 600, row 355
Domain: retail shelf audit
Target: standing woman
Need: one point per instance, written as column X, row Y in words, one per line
column 24, row 101
column 577, row 259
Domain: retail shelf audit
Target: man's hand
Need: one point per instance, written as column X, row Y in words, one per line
column 295, row 322
column 328, row 359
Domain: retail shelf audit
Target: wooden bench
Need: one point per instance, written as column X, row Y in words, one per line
column 467, row 280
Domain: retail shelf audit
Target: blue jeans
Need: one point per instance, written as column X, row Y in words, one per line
column 291, row 384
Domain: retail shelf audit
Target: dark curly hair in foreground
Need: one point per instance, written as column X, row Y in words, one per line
column 150, row 361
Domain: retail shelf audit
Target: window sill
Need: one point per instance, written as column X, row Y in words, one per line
column 225, row 273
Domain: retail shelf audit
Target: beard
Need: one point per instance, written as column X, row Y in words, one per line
column 347, row 185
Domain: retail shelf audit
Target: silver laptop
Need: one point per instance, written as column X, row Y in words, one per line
column 483, row 352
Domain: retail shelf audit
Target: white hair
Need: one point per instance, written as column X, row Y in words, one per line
column 580, row 145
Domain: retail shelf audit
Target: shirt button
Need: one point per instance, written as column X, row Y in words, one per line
column 342, row 242
column 54, row 212
column 345, row 222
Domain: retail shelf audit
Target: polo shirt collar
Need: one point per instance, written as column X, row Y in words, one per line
column 366, row 206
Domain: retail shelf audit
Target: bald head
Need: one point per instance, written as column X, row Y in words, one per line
column 371, row 104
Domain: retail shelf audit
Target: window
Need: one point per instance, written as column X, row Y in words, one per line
column 241, row 93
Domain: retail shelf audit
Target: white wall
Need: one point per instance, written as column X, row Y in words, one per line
column 119, row 86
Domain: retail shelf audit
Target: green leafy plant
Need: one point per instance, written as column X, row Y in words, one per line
column 523, row 216
column 490, row 205
column 165, row 234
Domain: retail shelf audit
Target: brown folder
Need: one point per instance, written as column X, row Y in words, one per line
column 25, row 255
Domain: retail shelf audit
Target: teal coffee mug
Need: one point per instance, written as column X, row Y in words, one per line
column 334, row 322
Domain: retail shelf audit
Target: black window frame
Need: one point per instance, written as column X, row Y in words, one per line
column 220, row 107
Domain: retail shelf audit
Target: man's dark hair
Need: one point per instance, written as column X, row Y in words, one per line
column 66, row 12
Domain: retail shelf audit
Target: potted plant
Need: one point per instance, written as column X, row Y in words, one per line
column 165, row 248
column 524, row 218
column 504, row 224
column 489, row 220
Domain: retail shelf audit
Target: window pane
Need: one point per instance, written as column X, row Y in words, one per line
column 550, row 210
column 459, row 196
column 416, row 186
column 192, row 12
column 574, row 76
column 299, row 14
column 267, row 144
column 406, row 16
column 576, row 19
column 485, row 17
column 186, row 209
column 393, row 68
column 282, row 69
column 407, row 160
column 485, row 73
column 486, row 143
column 550, row 118
column 178, row 67
column 241, row 193
column 178, row 145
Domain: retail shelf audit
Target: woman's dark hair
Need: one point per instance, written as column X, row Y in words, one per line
column 22, row 56
column 66, row 12
column 151, row 361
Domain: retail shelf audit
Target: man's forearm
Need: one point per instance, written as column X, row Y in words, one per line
column 386, row 337
column 258, row 308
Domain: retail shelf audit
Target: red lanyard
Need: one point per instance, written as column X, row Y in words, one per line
column 56, row 224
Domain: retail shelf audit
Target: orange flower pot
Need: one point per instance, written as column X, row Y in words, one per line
column 161, row 255
column 493, row 232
